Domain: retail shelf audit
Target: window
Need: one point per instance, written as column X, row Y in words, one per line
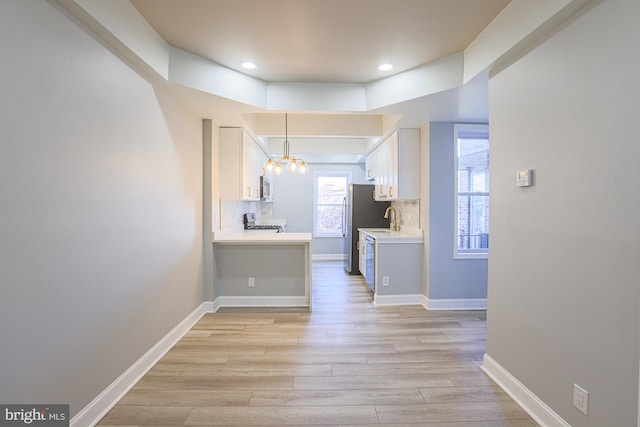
column 330, row 192
column 472, row 191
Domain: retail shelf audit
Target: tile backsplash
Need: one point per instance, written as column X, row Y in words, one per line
column 408, row 213
column 231, row 212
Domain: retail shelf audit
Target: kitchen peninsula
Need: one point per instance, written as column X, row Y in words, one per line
column 262, row 269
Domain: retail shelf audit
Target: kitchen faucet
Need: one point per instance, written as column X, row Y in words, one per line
column 395, row 217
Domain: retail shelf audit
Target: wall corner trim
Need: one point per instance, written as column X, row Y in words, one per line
column 536, row 408
column 92, row 413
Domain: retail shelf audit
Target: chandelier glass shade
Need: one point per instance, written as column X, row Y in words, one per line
column 278, row 164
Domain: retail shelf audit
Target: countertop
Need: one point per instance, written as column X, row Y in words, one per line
column 271, row 237
column 386, row 235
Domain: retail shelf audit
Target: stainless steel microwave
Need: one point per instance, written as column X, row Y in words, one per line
column 265, row 188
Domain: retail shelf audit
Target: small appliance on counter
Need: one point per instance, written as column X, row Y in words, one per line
column 249, row 220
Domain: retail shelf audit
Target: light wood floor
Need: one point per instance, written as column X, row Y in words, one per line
column 347, row 363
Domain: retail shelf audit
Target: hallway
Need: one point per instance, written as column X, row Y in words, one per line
column 347, row 363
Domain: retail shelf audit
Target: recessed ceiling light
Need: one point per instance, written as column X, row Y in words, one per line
column 249, row 65
column 385, row 67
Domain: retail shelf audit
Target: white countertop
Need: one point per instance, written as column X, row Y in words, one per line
column 386, row 235
column 269, row 236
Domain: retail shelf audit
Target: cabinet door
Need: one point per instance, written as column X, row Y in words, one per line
column 242, row 166
column 383, row 170
column 380, row 172
column 362, row 264
column 370, row 167
column 253, row 159
column 247, row 168
column 392, row 166
column 396, row 166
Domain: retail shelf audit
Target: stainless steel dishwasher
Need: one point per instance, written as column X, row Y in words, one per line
column 370, row 262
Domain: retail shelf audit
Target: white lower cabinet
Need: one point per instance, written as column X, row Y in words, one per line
column 362, row 265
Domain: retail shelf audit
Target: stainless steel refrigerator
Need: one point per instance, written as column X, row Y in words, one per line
column 359, row 210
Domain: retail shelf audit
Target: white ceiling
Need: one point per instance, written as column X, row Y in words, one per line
column 337, row 41
column 328, row 41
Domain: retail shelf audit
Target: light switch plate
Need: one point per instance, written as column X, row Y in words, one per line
column 524, row 178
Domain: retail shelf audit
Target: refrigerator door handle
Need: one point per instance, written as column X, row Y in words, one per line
column 344, row 217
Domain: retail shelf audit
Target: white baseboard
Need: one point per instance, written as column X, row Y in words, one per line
column 215, row 305
column 91, row 414
column 409, row 299
column 328, row 257
column 261, row 301
column 456, row 304
column 535, row 407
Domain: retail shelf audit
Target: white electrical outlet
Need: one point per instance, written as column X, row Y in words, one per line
column 385, row 281
column 252, row 282
column 581, row 399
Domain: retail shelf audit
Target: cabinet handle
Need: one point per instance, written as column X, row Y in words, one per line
column 248, row 191
column 390, row 191
column 369, row 173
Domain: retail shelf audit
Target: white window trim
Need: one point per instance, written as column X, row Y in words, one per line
column 479, row 254
column 315, row 233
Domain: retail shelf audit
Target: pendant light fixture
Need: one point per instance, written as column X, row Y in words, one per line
column 294, row 165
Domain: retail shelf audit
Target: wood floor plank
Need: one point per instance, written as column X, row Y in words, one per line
column 346, row 363
column 439, row 412
column 370, row 369
column 297, row 359
column 124, row 414
column 330, row 349
column 184, row 358
column 337, row 397
column 425, row 356
column 183, row 382
column 138, row 397
column 280, row 416
column 259, row 370
column 371, row 382
column 463, row 394
column 219, row 349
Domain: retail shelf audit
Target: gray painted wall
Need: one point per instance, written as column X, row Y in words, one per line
column 279, row 270
column 449, row 278
column 293, row 201
column 402, row 263
column 565, row 254
column 101, row 212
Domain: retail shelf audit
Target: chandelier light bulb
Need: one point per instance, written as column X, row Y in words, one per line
column 302, row 168
column 269, row 166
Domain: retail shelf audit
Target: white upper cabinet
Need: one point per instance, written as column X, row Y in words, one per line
column 241, row 165
column 395, row 166
column 370, row 167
